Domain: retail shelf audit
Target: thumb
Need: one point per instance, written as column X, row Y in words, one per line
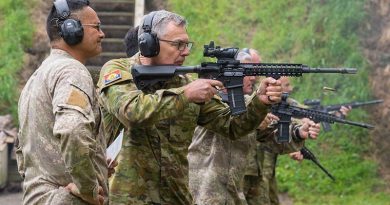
column 73, row 189
column 215, row 83
column 305, row 126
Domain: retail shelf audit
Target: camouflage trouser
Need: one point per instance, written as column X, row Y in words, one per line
column 269, row 178
column 50, row 196
column 262, row 189
column 132, row 182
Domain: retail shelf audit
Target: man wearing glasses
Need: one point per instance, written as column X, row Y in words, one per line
column 61, row 147
column 160, row 121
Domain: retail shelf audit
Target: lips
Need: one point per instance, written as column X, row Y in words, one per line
column 179, row 63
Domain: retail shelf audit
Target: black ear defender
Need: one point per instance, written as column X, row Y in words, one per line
column 148, row 43
column 246, row 50
column 71, row 30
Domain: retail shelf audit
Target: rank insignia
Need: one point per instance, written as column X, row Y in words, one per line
column 113, row 76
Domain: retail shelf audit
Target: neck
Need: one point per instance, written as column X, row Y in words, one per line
column 71, row 50
column 145, row 61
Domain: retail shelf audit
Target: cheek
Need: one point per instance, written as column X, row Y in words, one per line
column 171, row 56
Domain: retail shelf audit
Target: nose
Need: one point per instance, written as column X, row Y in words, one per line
column 101, row 34
column 185, row 52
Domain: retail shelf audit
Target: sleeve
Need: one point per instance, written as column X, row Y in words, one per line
column 215, row 116
column 286, row 148
column 134, row 107
column 74, row 124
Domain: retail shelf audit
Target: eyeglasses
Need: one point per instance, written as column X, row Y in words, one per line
column 97, row 26
column 179, row 44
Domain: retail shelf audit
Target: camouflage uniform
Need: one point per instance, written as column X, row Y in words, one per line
column 60, row 137
column 217, row 167
column 159, row 123
column 260, row 181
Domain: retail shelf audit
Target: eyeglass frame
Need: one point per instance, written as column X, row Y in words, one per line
column 179, row 44
column 97, row 26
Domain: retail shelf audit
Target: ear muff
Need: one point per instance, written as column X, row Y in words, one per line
column 71, row 30
column 148, row 43
column 246, row 50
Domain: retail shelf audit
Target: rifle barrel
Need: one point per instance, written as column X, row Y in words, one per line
column 320, row 116
column 352, row 104
column 307, row 154
column 330, row 70
column 359, row 124
column 323, row 169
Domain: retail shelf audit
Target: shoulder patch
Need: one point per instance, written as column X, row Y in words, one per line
column 112, row 76
column 77, row 98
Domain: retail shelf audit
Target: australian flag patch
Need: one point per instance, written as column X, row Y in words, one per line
column 112, row 76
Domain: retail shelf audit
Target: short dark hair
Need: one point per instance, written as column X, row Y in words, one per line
column 131, row 41
column 52, row 22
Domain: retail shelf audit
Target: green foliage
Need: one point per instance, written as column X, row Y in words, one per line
column 15, row 34
column 318, row 34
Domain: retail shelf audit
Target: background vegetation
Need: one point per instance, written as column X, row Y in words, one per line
column 15, row 34
column 318, row 34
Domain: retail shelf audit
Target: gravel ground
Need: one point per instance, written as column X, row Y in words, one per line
column 7, row 198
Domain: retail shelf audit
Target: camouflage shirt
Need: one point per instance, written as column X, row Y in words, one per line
column 60, row 137
column 159, row 125
column 217, row 167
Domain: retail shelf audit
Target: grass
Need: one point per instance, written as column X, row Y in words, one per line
column 318, row 34
column 15, row 34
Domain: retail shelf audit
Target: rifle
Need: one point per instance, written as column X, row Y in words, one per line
column 316, row 105
column 228, row 70
column 307, row 154
column 285, row 111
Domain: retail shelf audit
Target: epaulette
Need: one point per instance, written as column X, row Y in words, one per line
column 113, row 72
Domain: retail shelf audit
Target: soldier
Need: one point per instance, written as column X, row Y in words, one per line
column 217, row 164
column 159, row 122
column 261, row 187
column 61, row 147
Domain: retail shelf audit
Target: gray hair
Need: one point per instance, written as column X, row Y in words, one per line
column 160, row 21
column 243, row 56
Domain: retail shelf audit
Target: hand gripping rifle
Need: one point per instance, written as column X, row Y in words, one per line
column 307, row 154
column 227, row 70
column 286, row 111
column 316, row 105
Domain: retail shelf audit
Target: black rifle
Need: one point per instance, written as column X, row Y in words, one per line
column 316, row 105
column 285, row 112
column 307, row 154
column 227, row 70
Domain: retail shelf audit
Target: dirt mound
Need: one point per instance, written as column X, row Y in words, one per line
column 376, row 44
column 40, row 47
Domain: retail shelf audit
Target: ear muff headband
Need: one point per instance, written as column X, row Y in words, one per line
column 246, row 50
column 71, row 30
column 148, row 42
column 62, row 9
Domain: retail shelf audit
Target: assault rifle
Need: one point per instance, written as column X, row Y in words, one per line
column 316, row 105
column 285, row 112
column 307, row 154
column 228, row 70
